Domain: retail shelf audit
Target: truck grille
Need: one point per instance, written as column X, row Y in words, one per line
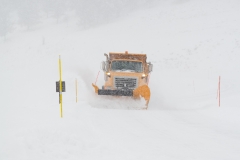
column 125, row 82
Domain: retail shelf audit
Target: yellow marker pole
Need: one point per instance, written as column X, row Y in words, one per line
column 76, row 90
column 60, row 85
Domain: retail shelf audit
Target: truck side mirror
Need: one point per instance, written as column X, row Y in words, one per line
column 150, row 67
column 103, row 66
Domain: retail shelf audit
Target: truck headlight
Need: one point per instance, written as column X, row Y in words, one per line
column 143, row 75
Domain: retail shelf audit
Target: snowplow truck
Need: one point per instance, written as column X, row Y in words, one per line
column 126, row 74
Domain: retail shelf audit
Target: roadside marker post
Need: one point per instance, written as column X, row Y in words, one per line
column 60, row 86
column 76, row 84
column 97, row 77
column 218, row 91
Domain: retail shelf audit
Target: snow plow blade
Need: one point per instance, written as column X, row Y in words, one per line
column 112, row 92
column 142, row 91
column 115, row 92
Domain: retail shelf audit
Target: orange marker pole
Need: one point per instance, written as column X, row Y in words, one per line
column 97, row 78
column 219, row 91
column 76, row 90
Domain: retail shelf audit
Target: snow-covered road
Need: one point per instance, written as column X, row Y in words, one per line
column 190, row 45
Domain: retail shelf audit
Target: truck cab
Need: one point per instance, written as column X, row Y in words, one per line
column 124, row 71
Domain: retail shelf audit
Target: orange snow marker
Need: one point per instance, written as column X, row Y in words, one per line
column 97, row 77
column 76, row 85
column 218, row 91
column 94, row 85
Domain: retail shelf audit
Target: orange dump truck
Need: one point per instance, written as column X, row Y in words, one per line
column 126, row 74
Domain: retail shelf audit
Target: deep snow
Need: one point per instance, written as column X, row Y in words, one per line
column 190, row 44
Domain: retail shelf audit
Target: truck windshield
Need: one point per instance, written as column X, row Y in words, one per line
column 126, row 66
